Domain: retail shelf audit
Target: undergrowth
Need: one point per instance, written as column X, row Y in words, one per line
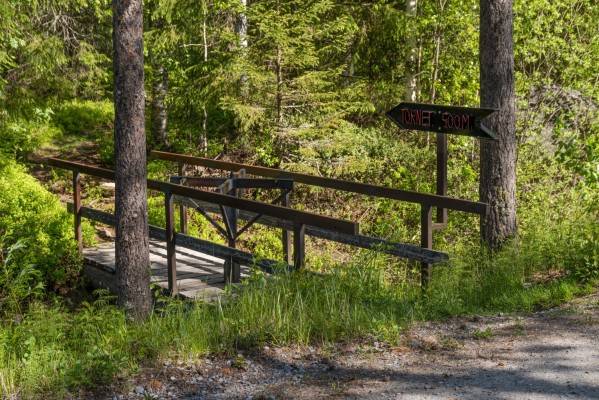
column 52, row 351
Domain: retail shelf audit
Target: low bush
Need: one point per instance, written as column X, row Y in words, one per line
column 29, row 214
column 52, row 351
column 77, row 117
column 21, row 136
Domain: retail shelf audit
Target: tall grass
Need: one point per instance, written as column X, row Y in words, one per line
column 51, row 351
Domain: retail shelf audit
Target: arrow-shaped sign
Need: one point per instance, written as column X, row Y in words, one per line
column 442, row 119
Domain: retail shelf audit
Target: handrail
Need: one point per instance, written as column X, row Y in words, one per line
column 331, row 183
column 302, row 217
column 298, row 221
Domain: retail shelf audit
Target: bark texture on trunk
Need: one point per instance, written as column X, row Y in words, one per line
column 132, row 255
column 159, row 117
column 498, row 158
column 411, row 79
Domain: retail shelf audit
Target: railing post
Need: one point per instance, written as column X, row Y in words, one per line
column 299, row 245
column 182, row 208
column 232, row 270
column 441, row 176
column 426, row 241
column 77, row 209
column 287, row 257
column 171, row 256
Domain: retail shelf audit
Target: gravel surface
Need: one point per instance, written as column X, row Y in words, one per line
column 548, row 355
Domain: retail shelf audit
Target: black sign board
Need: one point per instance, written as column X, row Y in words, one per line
column 442, row 119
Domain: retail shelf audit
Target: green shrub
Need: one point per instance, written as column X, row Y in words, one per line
column 18, row 283
column 106, row 150
column 21, row 136
column 29, row 213
column 77, row 117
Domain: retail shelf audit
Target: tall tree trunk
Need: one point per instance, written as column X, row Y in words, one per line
column 350, row 66
column 279, row 93
column 159, row 110
column 242, row 25
column 279, row 73
column 158, row 106
column 411, row 60
column 498, row 158
column 204, row 134
column 437, row 38
column 132, row 255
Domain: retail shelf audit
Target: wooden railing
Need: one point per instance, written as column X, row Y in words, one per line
column 424, row 253
column 300, row 222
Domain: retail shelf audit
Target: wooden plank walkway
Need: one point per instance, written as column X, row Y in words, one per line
column 198, row 275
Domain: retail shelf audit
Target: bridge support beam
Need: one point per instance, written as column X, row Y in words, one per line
column 426, row 241
column 182, row 208
column 287, row 256
column 171, row 255
column 77, row 209
column 299, row 245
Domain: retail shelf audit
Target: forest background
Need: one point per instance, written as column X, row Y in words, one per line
column 304, row 86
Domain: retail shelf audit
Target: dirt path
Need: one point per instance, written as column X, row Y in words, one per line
column 548, row 355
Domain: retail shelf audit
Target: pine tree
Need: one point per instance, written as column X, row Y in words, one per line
column 131, row 208
column 498, row 159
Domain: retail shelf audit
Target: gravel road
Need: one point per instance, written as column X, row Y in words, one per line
column 547, row 355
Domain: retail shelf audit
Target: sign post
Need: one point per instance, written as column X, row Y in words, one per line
column 443, row 120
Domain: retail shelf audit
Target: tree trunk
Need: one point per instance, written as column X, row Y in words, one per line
column 159, row 117
column 279, row 92
column 158, row 106
column 242, row 31
column 437, row 39
column 132, row 254
column 498, row 158
column 279, row 73
column 203, row 145
column 411, row 60
column 242, row 26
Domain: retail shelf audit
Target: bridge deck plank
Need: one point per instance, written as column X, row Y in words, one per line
column 199, row 275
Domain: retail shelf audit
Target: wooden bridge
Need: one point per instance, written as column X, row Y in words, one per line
column 199, row 275
column 193, row 267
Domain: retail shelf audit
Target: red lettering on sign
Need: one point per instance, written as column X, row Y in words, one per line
column 465, row 121
column 426, row 118
column 416, row 117
column 447, row 120
column 456, row 121
column 404, row 115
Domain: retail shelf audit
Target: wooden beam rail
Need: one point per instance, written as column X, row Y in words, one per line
column 348, row 186
column 366, row 242
column 204, row 246
column 299, row 219
column 272, row 210
column 426, row 201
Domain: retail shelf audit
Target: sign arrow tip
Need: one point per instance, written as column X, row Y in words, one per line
column 490, row 135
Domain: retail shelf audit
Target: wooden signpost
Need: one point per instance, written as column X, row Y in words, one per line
column 441, row 120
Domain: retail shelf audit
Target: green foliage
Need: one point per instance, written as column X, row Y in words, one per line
column 22, row 136
column 53, row 51
column 29, row 212
column 578, row 151
column 582, row 259
column 106, row 150
column 307, row 92
column 52, row 350
column 77, row 117
column 555, row 43
column 18, row 282
column 100, row 354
